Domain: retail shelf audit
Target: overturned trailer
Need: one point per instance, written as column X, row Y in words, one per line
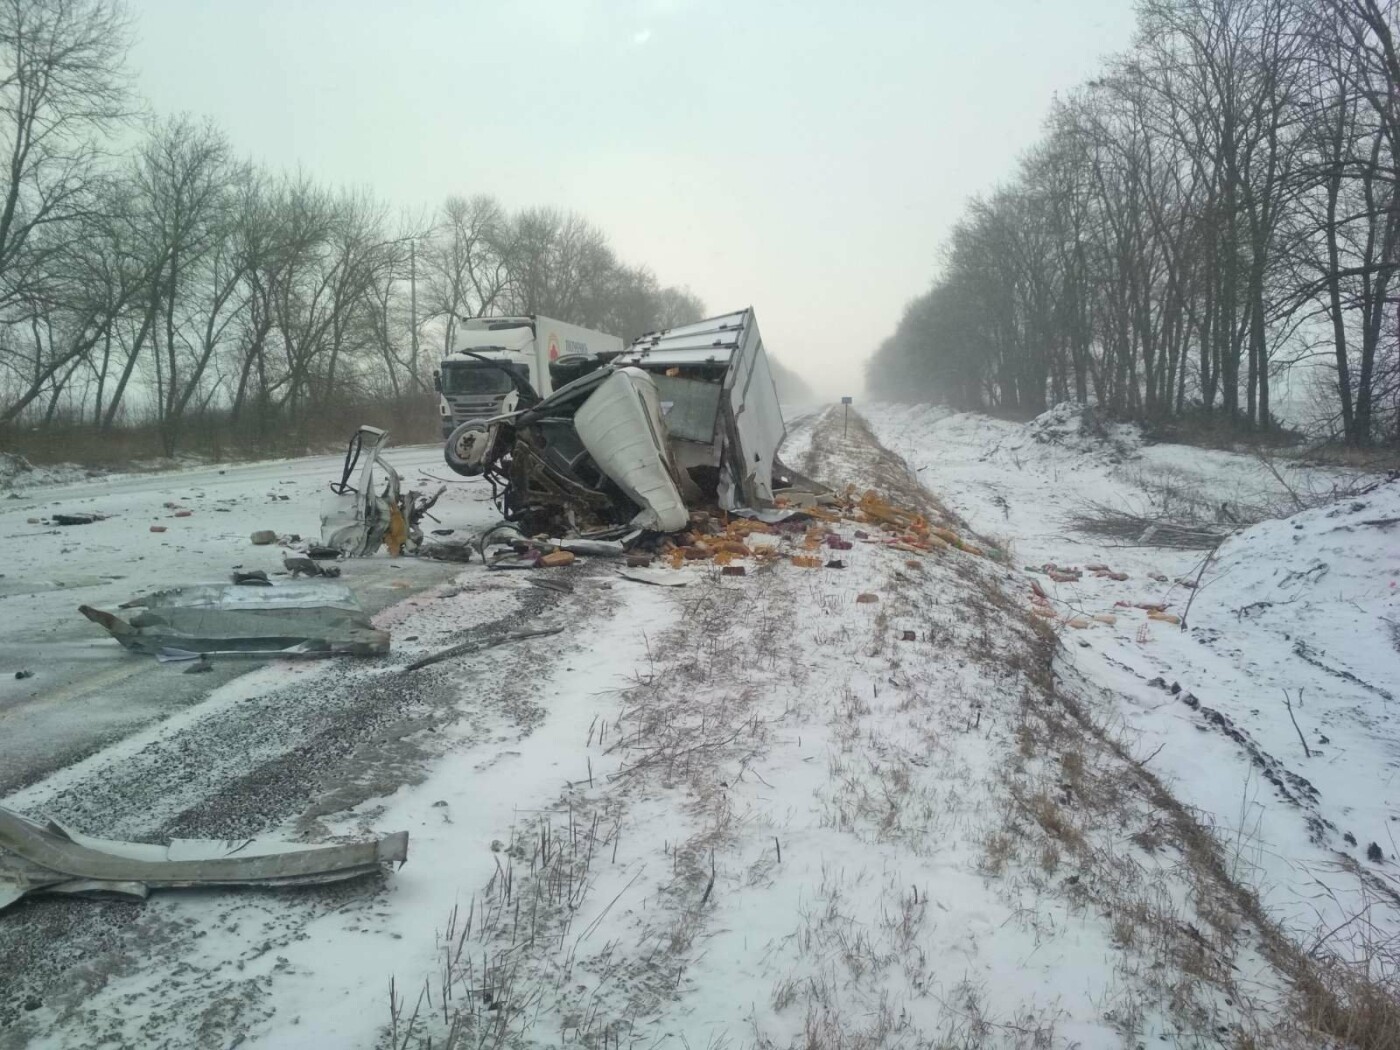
column 720, row 407
column 683, row 419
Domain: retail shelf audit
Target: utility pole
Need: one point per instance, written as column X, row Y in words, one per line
column 413, row 300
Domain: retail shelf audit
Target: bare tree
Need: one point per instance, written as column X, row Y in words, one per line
column 62, row 88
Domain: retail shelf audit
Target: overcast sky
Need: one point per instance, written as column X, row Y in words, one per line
column 806, row 158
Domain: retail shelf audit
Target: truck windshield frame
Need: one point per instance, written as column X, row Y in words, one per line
column 476, row 378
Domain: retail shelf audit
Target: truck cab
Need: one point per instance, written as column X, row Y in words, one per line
column 532, row 347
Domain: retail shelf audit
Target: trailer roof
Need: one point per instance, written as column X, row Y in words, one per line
column 713, row 339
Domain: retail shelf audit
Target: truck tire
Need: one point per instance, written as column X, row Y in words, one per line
column 465, row 450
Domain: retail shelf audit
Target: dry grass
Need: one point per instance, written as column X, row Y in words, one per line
column 1378, row 460
column 1142, row 530
column 1080, row 783
column 690, row 723
column 213, row 436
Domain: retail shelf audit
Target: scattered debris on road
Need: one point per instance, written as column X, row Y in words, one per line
column 447, row 550
column 51, row 858
column 300, row 565
column 477, row 646
column 77, row 519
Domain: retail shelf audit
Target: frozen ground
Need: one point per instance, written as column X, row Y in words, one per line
column 750, row 812
column 1301, row 611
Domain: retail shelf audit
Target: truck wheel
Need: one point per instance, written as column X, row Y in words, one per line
column 465, row 451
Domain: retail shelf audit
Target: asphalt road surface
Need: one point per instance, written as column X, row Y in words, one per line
column 80, row 691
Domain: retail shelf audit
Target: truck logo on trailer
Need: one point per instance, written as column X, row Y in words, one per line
column 553, row 347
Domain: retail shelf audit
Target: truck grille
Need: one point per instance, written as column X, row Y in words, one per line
column 465, row 408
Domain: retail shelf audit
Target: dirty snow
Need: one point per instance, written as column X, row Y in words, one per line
column 1301, row 611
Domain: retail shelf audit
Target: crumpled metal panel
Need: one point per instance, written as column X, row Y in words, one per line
column 50, row 858
column 354, row 519
column 299, row 617
column 621, row 426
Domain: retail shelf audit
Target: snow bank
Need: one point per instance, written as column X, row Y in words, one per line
column 17, row 473
column 1080, row 428
column 1301, row 611
column 1342, row 553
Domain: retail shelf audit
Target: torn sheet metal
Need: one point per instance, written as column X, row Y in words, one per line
column 655, row 577
column 52, row 858
column 620, row 426
column 354, row 518
column 289, row 619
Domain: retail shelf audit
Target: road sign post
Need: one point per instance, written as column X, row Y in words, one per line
column 846, row 421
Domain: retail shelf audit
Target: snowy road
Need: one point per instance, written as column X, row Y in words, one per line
column 86, row 691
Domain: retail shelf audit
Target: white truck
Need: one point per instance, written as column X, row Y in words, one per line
column 471, row 382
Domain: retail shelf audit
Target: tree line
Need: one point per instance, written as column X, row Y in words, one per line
column 1212, row 218
column 148, row 275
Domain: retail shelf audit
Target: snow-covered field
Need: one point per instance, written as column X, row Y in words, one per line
column 1303, row 611
column 756, row 811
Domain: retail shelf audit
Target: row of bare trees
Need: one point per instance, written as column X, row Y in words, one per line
column 1211, row 221
column 148, row 275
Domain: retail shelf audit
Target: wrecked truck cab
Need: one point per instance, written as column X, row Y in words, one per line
column 687, row 418
column 592, row 454
column 357, row 518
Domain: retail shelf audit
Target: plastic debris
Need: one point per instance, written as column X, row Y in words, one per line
column 299, row 565
column 655, row 577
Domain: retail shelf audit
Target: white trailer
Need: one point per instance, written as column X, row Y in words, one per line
column 474, row 379
column 720, row 406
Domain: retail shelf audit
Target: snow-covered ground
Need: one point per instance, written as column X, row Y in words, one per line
column 1302, row 611
column 757, row 811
